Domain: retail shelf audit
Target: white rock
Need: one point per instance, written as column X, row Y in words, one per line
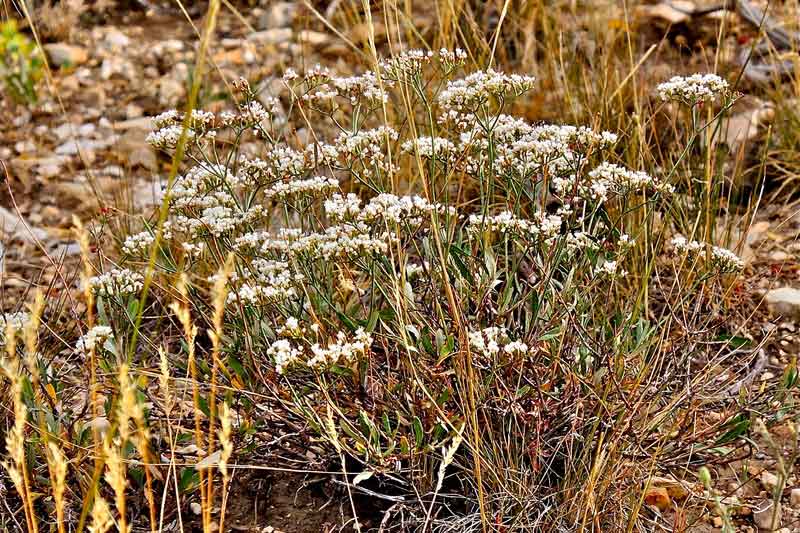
column 763, row 513
column 279, row 14
column 62, row 54
column 116, row 40
column 13, row 226
column 273, row 36
column 769, row 480
column 170, row 91
column 794, row 497
column 784, row 301
column 314, row 38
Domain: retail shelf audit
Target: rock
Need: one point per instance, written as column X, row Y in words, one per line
column 779, row 256
column 62, row 54
column 763, row 514
column 784, row 301
column 133, row 148
column 277, row 15
column 117, row 66
column 657, row 497
column 769, row 480
column 73, row 146
column 674, row 488
column 116, row 40
column 314, row 38
column 274, row 36
column 794, row 498
column 170, row 91
column 12, row 226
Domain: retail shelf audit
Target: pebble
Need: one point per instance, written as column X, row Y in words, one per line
column 62, row 54
column 768, row 480
column 314, row 38
column 279, row 14
column 794, row 498
column 273, row 36
column 763, row 513
column 784, row 301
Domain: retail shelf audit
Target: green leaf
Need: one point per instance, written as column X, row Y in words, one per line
column 419, row 434
column 189, row 479
column 738, row 426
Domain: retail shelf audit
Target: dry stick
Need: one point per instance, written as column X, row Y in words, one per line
column 220, row 295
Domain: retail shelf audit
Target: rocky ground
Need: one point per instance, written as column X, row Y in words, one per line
column 82, row 152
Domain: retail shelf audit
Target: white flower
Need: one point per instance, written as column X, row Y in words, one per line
column 117, row 282
column 468, row 94
column 16, row 320
column 722, row 259
column 408, row 63
column 138, row 243
column 284, row 189
column 167, row 137
column 284, row 353
column 544, row 225
column 610, row 269
column 431, row 147
column 93, row 339
column 340, row 207
column 692, row 89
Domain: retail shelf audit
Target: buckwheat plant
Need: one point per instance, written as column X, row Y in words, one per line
column 425, row 267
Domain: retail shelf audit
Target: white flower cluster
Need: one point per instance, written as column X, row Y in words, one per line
column 432, row 148
column 264, row 282
column 722, row 259
column 335, row 241
column 692, row 89
column 400, row 209
column 167, row 138
column 383, row 207
column 545, row 225
column 117, row 282
column 408, row 63
column 365, row 88
column 606, row 180
column 366, row 146
column 610, row 269
column 493, row 340
column 524, row 149
column 16, row 320
column 138, row 243
column 94, row 338
column 307, row 187
column 340, row 351
column 468, row 94
column 452, row 59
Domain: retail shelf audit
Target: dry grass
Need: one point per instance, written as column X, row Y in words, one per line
column 619, row 377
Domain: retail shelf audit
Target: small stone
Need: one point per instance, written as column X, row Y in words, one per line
column 62, row 54
column 779, row 257
column 279, row 14
column 116, row 40
column 763, row 514
column 768, row 480
column 196, row 508
column 657, row 497
column 273, row 36
column 784, row 301
column 794, row 498
column 170, row 91
column 314, row 38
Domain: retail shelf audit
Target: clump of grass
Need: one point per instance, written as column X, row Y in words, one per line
column 490, row 320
